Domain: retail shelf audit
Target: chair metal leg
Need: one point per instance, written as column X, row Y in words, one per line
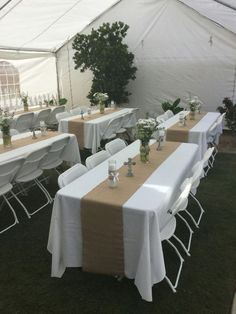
column 182, row 244
column 22, row 205
column 36, row 181
column 173, row 286
column 201, row 209
column 190, row 231
column 16, row 221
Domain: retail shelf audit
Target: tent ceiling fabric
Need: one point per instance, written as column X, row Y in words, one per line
column 222, row 12
column 44, row 25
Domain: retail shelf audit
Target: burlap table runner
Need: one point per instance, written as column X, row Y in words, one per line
column 178, row 133
column 102, row 215
column 76, row 126
column 27, row 141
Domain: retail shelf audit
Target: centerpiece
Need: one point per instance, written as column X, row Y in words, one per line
column 24, row 99
column 145, row 129
column 5, row 123
column 194, row 105
column 101, row 98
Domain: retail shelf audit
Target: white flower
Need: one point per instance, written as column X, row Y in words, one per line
column 100, row 96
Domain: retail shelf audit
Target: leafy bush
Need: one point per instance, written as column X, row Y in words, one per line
column 104, row 53
column 173, row 107
column 230, row 109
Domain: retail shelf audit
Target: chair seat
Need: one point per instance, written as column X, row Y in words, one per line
column 121, row 130
column 52, row 165
column 5, row 188
column 168, row 230
column 31, row 176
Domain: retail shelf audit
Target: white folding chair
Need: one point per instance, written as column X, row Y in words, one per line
column 42, row 116
column 197, row 174
column 214, row 134
column 75, row 111
column 24, row 122
column 168, row 231
column 51, row 121
column 115, row 146
column 8, row 171
column 96, row 159
column 53, row 159
column 71, row 174
column 30, row 172
column 113, row 126
column 63, row 115
column 207, row 163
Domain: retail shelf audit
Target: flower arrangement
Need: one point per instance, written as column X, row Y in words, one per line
column 145, row 129
column 101, row 98
column 5, row 125
column 24, row 99
column 195, row 104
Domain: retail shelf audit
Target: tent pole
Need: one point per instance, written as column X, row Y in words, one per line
column 58, row 88
column 69, row 72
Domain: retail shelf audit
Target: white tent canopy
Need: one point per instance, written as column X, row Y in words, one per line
column 180, row 47
column 45, row 25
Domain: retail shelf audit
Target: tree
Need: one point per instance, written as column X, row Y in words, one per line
column 104, row 53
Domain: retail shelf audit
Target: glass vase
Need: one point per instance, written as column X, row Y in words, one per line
column 144, row 152
column 192, row 115
column 101, row 107
column 26, row 107
column 6, row 137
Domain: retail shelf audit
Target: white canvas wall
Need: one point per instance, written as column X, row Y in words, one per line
column 37, row 73
column 177, row 51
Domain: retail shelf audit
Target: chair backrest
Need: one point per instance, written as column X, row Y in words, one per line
column 113, row 126
column 181, row 202
column 220, row 119
column 63, row 115
column 197, row 173
column 71, row 174
column 42, row 116
column 32, row 162
column 75, row 111
column 52, row 117
column 96, row 159
column 115, row 146
column 9, row 169
column 24, row 122
column 128, row 120
column 55, row 152
column 207, row 156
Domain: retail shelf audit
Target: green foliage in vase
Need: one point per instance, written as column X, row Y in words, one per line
column 62, row 101
column 104, row 53
column 174, row 107
column 230, row 115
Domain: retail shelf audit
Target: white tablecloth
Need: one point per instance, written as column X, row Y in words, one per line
column 93, row 129
column 71, row 153
column 142, row 214
column 199, row 133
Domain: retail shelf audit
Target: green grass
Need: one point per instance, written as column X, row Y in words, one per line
column 207, row 283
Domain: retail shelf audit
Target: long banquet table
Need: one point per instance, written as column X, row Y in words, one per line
column 143, row 213
column 199, row 133
column 70, row 154
column 93, row 129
